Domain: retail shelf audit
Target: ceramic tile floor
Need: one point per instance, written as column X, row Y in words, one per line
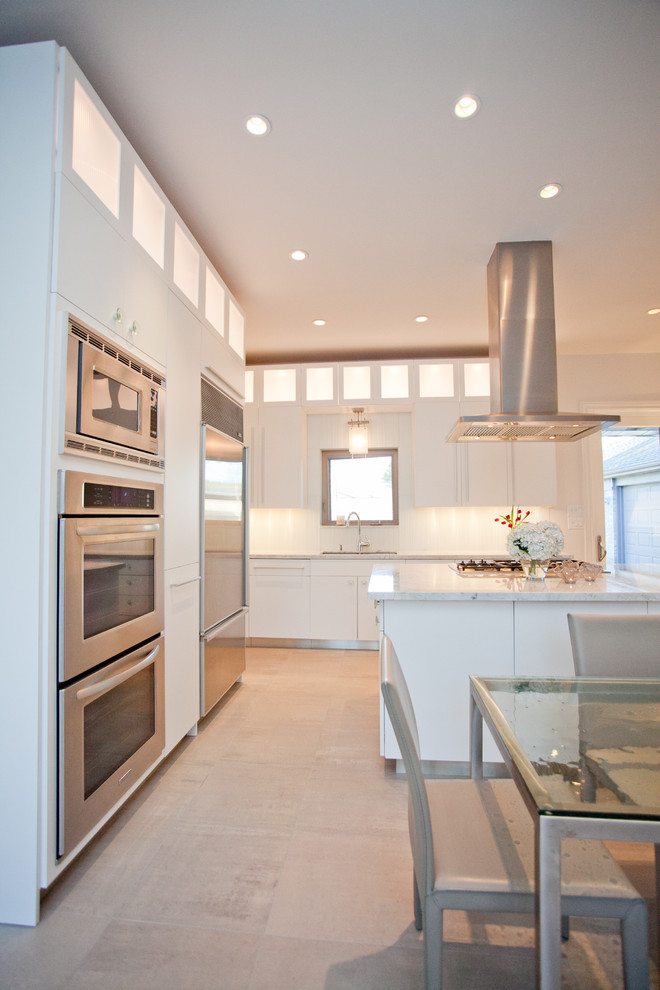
column 271, row 852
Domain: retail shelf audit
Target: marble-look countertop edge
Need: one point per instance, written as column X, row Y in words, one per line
column 437, row 582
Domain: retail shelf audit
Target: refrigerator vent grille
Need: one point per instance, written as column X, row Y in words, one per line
column 221, row 412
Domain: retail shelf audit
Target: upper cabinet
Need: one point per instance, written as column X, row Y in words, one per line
column 436, row 392
column 120, row 246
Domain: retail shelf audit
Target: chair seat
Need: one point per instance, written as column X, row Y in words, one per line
column 493, row 850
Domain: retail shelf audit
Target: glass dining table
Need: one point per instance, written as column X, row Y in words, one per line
column 585, row 756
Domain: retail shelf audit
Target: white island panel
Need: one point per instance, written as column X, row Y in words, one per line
column 446, row 627
column 439, row 644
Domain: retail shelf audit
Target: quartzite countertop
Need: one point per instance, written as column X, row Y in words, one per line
column 446, row 627
column 437, row 581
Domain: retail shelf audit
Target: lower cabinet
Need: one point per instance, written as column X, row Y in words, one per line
column 182, row 652
column 279, row 598
column 312, row 599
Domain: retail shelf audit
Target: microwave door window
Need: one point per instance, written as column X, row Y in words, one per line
column 114, row 402
column 118, row 584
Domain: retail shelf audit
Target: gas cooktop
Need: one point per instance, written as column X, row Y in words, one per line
column 502, row 565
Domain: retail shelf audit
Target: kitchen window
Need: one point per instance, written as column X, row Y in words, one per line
column 368, row 485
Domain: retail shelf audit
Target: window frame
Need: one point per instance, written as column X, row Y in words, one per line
column 344, row 454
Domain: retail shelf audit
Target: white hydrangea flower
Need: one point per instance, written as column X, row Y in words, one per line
column 535, row 541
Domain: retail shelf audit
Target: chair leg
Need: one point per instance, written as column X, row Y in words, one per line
column 419, row 924
column 432, row 945
column 657, row 904
column 565, row 927
column 634, row 944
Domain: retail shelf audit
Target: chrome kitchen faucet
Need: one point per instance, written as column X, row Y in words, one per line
column 361, row 543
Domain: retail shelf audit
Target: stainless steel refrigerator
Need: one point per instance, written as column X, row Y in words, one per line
column 224, row 534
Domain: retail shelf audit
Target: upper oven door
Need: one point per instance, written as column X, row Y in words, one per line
column 116, row 403
column 111, row 588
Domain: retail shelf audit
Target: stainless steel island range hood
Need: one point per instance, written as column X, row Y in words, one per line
column 523, row 354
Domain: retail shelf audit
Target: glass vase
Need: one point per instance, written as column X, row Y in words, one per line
column 535, row 570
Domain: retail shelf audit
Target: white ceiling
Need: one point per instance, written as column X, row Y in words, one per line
column 398, row 203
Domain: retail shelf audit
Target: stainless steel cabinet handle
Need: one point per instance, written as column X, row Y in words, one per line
column 181, row 584
column 110, row 682
column 113, row 531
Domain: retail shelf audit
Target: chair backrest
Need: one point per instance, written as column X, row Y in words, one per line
column 615, row 645
column 402, row 716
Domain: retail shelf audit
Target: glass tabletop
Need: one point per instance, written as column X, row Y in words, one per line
column 583, row 746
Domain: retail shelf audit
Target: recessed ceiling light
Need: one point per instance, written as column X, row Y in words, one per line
column 258, row 125
column 550, row 190
column 653, row 312
column 467, row 106
column 318, row 323
column 299, row 255
column 421, row 319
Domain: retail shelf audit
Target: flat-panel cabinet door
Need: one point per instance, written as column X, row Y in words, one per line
column 333, row 609
column 435, row 463
column 281, row 454
column 182, row 436
column 90, row 259
column 279, row 599
column 145, row 304
column 182, row 656
column 485, row 473
column 534, row 470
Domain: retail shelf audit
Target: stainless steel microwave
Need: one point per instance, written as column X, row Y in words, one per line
column 114, row 403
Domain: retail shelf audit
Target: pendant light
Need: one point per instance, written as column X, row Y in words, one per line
column 358, row 437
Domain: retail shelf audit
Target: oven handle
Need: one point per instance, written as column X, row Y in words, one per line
column 113, row 531
column 110, row 682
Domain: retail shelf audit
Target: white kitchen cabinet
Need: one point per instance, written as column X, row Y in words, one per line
column 221, row 362
column 435, row 463
column 89, row 263
column 533, row 473
column 333, row 607
column 485, row 466
column 276, row 437
column 479, row 473
column 340, row 608
column 182, row 436
column 145, row 304
column 182, row 652
column 279, row 598
column 114, row 282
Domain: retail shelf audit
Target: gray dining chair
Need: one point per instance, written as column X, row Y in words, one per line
column 473, row 849
column 618, row 646
column 615, row 645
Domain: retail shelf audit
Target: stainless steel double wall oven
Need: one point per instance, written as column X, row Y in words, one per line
column 110, row 644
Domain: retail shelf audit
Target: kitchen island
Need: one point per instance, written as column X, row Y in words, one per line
column 446, row 626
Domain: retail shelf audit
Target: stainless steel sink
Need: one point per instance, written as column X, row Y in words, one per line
column 363, row 553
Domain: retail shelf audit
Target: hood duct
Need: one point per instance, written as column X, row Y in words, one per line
column 523, row 354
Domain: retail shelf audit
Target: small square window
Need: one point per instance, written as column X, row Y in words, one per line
column 367, row 485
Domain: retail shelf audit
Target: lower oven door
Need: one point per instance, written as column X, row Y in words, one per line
column 111, row 730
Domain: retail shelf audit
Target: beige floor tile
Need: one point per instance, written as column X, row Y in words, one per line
column 307, row 964
column 352, row 800
column 245, row 794
column 352, row 887
column 161, row 957
column 43, row 958
column 271, row 852
column 210, row 876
